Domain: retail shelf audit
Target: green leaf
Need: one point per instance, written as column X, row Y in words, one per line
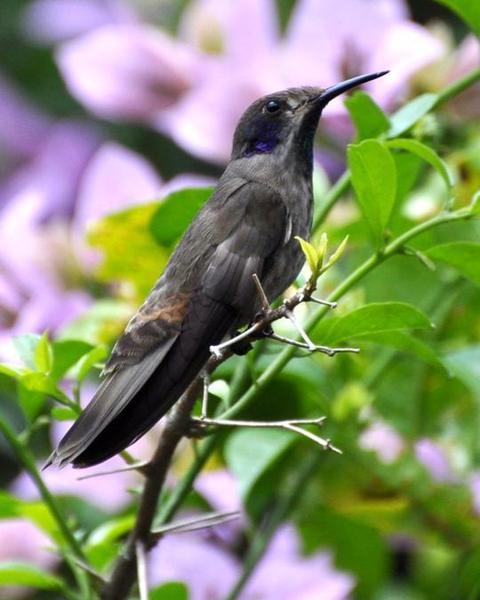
column 25, row 345
column 400, row 340
column 310, row 254
column 85, row 364
column 463, row 256
column 24, row 574
column 63, row 413
column 374, row 179
column 427, row 154
column 66, row 353
column 176, row 212
column 370, row 120
column 35, row 511
column 43, row 356
column 172, row 590
column 465, row 365
column 468, row 10
column 358, row 548
column 249, row 453
column 373, row 318
column 101, row 323
column 412, row 112
column 130, row 251
column 475, row 204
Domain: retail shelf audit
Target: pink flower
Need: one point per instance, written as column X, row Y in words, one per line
column 52, row 21
column 382, row 439
column 475, row 489
column 434, row 458
column 126, row 71
column 282, row 574
column 21, row 541
column 22, row 126
column 228, row 54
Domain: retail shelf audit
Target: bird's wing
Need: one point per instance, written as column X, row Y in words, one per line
column 167, row 341
column 248, row 248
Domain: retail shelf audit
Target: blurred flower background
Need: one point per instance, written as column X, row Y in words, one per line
column 107, row 107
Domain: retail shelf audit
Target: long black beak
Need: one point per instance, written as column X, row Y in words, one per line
column 335, row 90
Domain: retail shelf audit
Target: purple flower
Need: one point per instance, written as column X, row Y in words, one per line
column 382, row 439
column 126, row 71
column 21, row 541
column 475, row 489
column 52, row 21
column 434, row 458
column 282, row 574
column 22, row 126
column 228, row 54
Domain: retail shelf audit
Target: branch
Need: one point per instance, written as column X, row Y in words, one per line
column 177, row 424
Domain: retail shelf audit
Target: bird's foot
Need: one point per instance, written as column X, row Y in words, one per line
column 198, row 428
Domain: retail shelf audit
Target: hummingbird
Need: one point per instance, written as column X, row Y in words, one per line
column 262, row 202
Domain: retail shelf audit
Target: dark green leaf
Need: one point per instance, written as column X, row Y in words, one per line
column 357, row 548
column 24, row 574
column 427, row 154
column 463, row 256
column 370, row 120
column 412, row 112
column 374, row 179
column 251, row 452
column 172, row 590
column 468, row 10
column 377, row 317
column 176, row 212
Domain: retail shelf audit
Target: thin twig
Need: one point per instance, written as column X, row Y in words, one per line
column 139, row 466
column 217, row 350
column 259, row 424
column 265, row 303
column 291, row 425
column 206, row 385
column 324, row 349
column 203, row 522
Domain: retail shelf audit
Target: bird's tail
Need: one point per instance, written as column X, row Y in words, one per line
column 169, row 380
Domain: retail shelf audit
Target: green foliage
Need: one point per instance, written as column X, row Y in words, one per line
column 406, row 117
column 463, row 256
column 173, row 590
column 369, row 119
column 24, row 574
column 130, row 251
column 251, row 452
column 374, row 179
column 175, row 214
column 468, row 10
column 427, row 154
column 375, row 318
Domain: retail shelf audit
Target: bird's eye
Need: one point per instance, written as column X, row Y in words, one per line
column 272, row 106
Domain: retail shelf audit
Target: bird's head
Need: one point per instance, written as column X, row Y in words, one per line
column 286, row 121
